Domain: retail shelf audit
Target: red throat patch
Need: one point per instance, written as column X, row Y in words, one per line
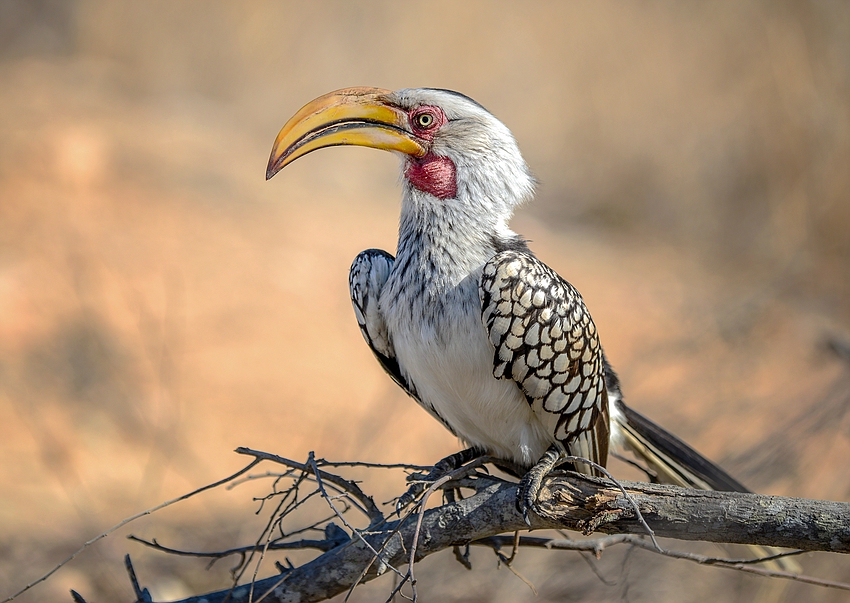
column 434, row 175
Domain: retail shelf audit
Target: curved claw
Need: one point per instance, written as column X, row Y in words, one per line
column 444, row 466
column 529, row 488
column 529, row 485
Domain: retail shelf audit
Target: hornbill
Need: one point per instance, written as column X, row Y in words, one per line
column 488, row 339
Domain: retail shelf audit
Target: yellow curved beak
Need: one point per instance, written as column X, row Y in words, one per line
column 355, row 116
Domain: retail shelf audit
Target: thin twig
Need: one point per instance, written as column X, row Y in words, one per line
column 370, row 509
column 320, row 475
column 508, row 561
column 272, row 588
column 290, row 500
column 590, row 562
column 464, row 470
column 386, row 541
column 423, row 501
column 275, row 520
column 628, row 497
column 142, row 594
column 248, row 478
column 127, row 520
column 259, row 563
column 597, row 545
column 398, row 526
column 327, row 463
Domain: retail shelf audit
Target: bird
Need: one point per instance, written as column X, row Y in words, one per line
column 488, row 339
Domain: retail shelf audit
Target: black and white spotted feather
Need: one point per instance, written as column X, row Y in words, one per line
column 545, row 341
column 369, row 271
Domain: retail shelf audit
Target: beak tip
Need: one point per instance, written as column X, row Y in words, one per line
column 272, row 169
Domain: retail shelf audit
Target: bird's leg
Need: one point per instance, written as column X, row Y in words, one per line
column 529, row 485
column 444, row 466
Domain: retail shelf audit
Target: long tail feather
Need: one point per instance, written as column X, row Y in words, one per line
column 674, row 462
column 669, row 457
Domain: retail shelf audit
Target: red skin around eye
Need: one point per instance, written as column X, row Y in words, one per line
column 439, row 121
column 432, row 174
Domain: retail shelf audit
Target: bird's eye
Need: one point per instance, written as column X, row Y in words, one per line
column 424, row 120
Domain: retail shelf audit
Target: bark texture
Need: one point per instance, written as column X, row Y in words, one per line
column 572, row 502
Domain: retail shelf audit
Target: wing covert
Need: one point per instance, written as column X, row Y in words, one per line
column 369, row 271
column 544, row 339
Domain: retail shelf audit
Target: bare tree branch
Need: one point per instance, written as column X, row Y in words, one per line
column 589, row 504
column 574, row 502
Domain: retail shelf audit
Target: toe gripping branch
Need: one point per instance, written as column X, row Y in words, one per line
column 527, row 492
column 529, row 485
column 444, row 466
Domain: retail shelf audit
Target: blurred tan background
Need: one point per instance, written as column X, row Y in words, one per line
column 160, row 304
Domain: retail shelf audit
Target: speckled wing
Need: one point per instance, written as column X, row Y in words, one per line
column 545, row 341
column 369, row 271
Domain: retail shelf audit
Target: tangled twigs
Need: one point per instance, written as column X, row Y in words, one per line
column 367, row 504
column 485, row 515
column 130, row 519
column 460, row 472
column 383, row 565
column 571, row 501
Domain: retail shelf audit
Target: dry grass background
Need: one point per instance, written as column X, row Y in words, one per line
column 160, row 304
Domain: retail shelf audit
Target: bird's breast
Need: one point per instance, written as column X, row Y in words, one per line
column 446, row 354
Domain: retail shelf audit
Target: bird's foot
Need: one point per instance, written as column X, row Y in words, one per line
column 444, row 466
column 529, row 485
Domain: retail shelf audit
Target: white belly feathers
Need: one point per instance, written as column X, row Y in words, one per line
column 454, row 375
